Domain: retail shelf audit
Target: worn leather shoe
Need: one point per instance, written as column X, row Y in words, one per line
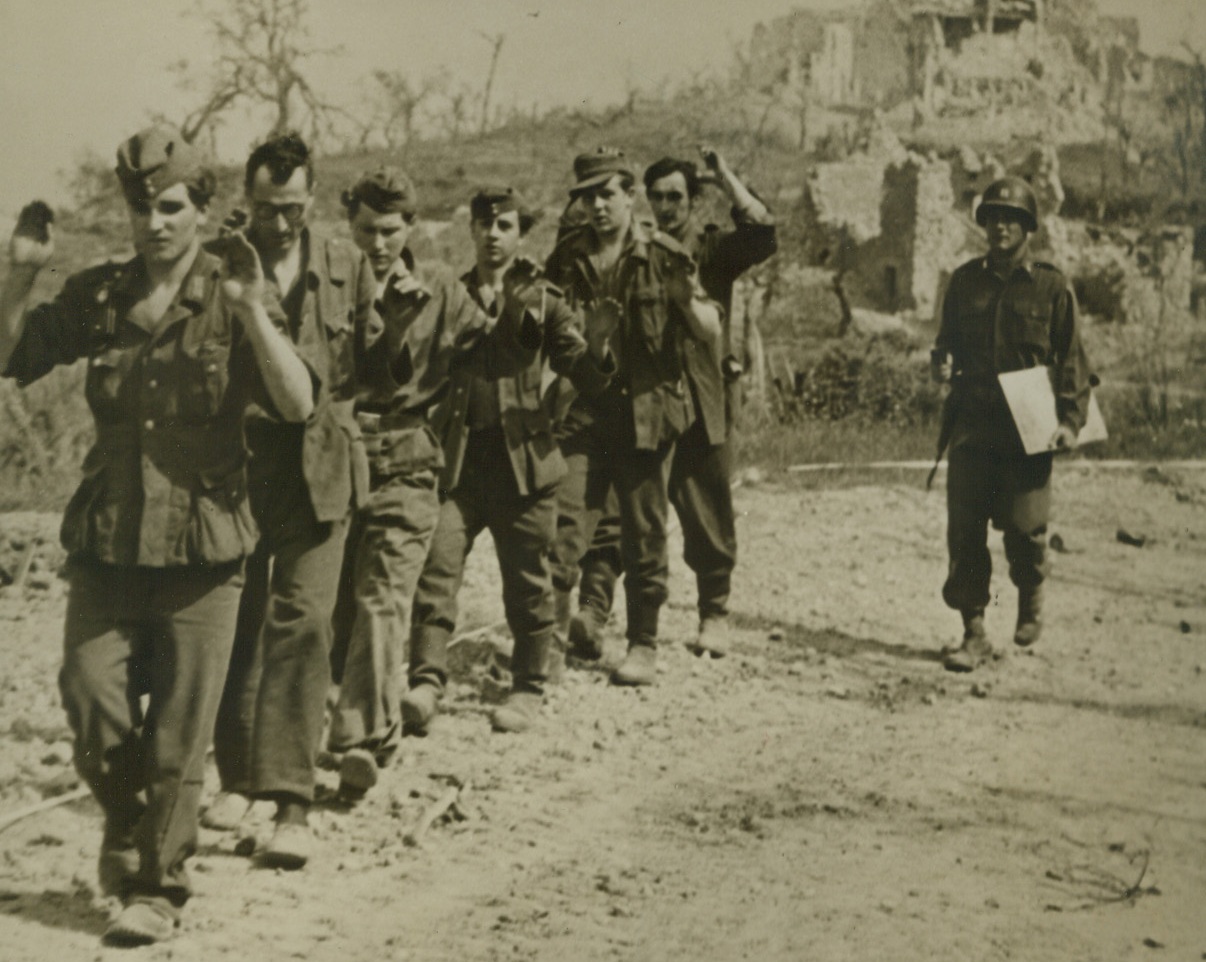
column 290, row 848
column 226, row 811
column 142, row 922
column 713, row 638
column 1030, row 616
column 638, row 668
column 419, row 706
column 518, row 713
column 357, row 773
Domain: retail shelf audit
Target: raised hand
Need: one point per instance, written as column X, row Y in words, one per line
column 680, row 281
column 242, row 276
column 32, row 243
column 521, row 288
column 601, row 323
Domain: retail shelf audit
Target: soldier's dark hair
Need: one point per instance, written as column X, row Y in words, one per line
column 282, row 156
column 672, row 165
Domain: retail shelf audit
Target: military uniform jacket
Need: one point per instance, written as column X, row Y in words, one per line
column 652, row 330
column 164, row 483
column 991, row 326
column 723, row 256
column 536, row 459
column 429, row 334
column 336, row 302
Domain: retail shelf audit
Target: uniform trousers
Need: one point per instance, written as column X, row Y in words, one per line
column 703, row 500
column 164, row 633
column 602, row 455
column 273, row 709
column 522, row 525
column 1013, row 491
column 394, row 531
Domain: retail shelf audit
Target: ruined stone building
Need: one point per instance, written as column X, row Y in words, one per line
column 941, row 55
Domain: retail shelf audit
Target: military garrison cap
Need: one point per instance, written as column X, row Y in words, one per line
column 386, row 190
column 156, row 158
column 598, row 167
column 492, row 200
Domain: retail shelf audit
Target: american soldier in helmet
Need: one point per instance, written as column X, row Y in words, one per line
column 1003, row 312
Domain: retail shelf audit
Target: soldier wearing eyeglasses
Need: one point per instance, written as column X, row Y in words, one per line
column 699, row 477
column 304, row 480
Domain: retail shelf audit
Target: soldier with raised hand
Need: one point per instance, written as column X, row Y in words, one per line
column 432, row 331
column 644, row 282
column 178, row 344
column 304, row 481
column 700, row 477
column 501, row 471
column 1003, row 312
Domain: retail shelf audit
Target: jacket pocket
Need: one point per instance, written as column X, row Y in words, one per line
column 222, row 527
column 1032, row 327
column 102, row 384
column 205, row 378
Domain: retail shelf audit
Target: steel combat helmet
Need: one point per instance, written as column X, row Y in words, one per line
column 1010, row 193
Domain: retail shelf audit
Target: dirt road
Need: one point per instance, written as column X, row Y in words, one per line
column 827, row 792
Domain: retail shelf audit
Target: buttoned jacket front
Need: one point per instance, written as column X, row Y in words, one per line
column 336, row 302
column 992, row 325
column 164, row 482
column 536, row 459
column 432, row 330
column 652, row 329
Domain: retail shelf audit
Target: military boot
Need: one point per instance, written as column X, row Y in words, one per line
column 517, row 713
column 586, row 633
column 639, row 667
column 975, row 650
column 1030, row 616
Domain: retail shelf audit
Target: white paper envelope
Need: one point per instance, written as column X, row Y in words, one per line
column 1031, row 401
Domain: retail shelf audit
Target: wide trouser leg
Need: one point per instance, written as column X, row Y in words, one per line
column 173, row 642
column 236, row 713
column 1022, row 514
column 703, row 499
column 344, row 615
column 582, row 497
column 641, row 479
column 523, row 528
column 106, row 654
column 399, row 521
column 295, row 641
column 435, row 607
column 971, row 491
column 602, row 565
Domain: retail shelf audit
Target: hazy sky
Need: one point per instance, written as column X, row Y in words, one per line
column 81, row 74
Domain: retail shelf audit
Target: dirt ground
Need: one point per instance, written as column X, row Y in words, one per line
column 826, row 792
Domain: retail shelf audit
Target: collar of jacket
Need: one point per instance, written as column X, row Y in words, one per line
column 1025, row 265
column 191, row 295
column 636, row 242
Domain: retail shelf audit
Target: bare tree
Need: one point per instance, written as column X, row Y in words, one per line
column 261, row 52
column 398, row 103
column 496, row 42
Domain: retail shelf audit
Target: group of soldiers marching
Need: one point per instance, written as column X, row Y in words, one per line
column 299, row 438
